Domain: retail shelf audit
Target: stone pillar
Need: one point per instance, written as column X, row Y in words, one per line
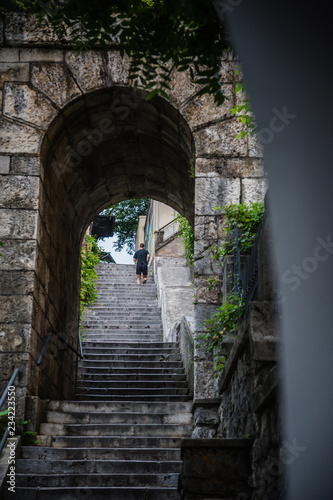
column 18, row 233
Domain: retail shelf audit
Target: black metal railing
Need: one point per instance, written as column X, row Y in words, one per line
column 2, row 400
column 246, row 267
column 51, row 331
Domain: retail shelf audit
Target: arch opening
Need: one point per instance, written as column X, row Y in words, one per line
column 105, row 147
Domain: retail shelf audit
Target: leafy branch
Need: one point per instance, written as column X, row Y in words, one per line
column 157, row 35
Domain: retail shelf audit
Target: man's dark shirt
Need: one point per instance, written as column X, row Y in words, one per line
column 141, row 255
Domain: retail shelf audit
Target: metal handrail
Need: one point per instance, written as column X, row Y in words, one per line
column 2, row 400
column 47, row 338
column 246, row 276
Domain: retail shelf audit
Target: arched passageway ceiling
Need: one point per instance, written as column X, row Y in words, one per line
column 112, row 145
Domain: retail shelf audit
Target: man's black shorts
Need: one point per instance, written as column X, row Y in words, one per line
column 141, row 267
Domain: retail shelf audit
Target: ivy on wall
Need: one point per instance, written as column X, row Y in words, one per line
column 187, row 234
column 227, row 317
column 90, row 257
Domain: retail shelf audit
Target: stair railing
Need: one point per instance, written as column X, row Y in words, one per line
column 51, row 331
column 2, row 400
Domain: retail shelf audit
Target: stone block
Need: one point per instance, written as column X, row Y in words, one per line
column 25, row 165
column 220, row 139
column 18, row 224
column 203, row 433
column 212, row 192
column 174, row 276
column 202, row 312
column 247, row 167
column 53, row 80
column 15, row 309
column 24, row 103
column 9, row 55
column 18, row 255
column 202, row 109
column 176, row 301
column 203, row 258
column 255, row 148
column 117, row 67
column 88, row 69
column 37, row 55
column 25, row 29
column 203, row 379
column 14, row 337
column 181, row 88
column 207, row 289
column 264, row 330
column 215, row 468
column 208, row 166
column 18, row 191
column 253, row 189
column 228, row 69
column 4, row 164
column 1, row 32
column 16, row 282
column 13, row 72
column 206, row 417
column 18, row 138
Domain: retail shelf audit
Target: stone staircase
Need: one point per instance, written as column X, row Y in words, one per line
column 121, row 438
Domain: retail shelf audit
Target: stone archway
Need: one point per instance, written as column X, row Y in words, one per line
column 105, row 147
column 62, row 160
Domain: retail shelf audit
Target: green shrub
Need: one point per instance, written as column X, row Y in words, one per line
column 89, row 260
column 249, row 217
column 186, row 232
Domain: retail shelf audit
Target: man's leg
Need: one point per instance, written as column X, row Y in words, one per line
column 144, row 279
column 138, row 279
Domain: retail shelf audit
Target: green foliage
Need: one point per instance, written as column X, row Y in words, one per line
column 224, row 320
column 244, row 111
column 127, row 216
column 28, row 437
column 191, row 170
column 89, row 260
column 187, row 234
column 157, row 35
column 249, row 217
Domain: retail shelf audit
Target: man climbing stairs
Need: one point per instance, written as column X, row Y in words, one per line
column 120, row 438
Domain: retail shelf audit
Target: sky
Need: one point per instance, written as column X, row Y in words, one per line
column 120, row 257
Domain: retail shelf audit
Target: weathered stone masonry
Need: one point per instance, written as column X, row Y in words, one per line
column 75, row 138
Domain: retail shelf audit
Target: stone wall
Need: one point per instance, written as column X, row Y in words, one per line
column 249, row 405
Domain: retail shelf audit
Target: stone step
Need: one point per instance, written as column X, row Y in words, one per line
column 110, row 387
column 99, row 480
column 118, row 338
column 171, row 430
column 97, row 493
column 48, row 453
column 127, row 334
column 58, row 417
column 119, row 398
column 127, row 348
column 129, row 345
column 110, row 442
column 124, row 370
column 130, row 377
column 95, row 466
column 131, row 391
column 108, row 407
column 143, row 324
column 134, row 364
column 120, row 438
column 128, row 358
